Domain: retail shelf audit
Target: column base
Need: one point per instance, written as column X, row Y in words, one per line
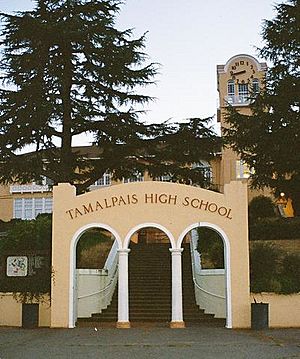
column 123, row 325
column 177, row 324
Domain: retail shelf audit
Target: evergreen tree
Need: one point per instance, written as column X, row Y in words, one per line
column 269, row 139
column 67, row 71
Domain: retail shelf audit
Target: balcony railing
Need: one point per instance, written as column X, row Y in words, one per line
column 238, row 100
column 29, row 188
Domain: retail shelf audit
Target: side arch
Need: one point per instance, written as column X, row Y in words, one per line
column 72, row 281
column 227, row 262
column 153, row 225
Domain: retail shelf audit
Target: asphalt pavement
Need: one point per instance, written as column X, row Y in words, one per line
column 151, row 342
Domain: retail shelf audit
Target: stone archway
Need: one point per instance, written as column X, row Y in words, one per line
column 172, row 207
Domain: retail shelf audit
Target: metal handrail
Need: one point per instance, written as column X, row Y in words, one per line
column 194, row 278
column 103, row 289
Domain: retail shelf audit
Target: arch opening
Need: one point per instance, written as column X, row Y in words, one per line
column 93, row 272
column 206, row 264
column 150, row 284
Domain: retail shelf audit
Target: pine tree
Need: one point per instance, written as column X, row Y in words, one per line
column 66, row 71
column 269, row 139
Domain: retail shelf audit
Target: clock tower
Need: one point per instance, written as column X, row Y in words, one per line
column 238, row 81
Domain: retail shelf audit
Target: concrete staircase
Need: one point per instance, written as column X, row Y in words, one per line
column 150, row 288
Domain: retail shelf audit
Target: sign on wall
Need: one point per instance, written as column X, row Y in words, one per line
column 17, row 266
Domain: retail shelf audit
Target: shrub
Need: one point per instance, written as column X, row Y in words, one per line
column 31, row 239
column 264, row 273
column 290, row 274
column 261, row 207
column 273, row 270
column 275, row 228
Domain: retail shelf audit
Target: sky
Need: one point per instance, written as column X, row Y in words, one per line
column 189, row 39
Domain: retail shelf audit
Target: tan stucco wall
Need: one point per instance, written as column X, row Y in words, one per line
column 11, row 311
column 69, row 216
column 284, row 310
column 6, row 204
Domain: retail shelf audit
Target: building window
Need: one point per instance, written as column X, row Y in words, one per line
column 137, row 177
column 105, row 180
column 242, row 170
column 255, row 86
column 30, row 208
column 165, row 178
column 243, row 93
column 205, row 168
column 230, row 91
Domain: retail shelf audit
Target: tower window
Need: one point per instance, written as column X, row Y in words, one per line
column 255, row 85
column 243, row 93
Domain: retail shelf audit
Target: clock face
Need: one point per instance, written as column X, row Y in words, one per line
column 242, row 71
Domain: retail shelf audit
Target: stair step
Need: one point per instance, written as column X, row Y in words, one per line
column 150, row 289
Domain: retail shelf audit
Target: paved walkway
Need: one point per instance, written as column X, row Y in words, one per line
column 149, row 342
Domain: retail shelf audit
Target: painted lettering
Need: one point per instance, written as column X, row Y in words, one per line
column 222, row 211
column 106, row 203
column 98, row 205
column 88, row 208
column 122, row 201
column 134, row 199
column 114, row 201
column 228, row 214
column 163, row 198
column 70, row 213
column 77, row 212
column 205, row 204
column 149, row 198
column 212, row 207
column 195, row 203
column 172, row 199
column 186, row 201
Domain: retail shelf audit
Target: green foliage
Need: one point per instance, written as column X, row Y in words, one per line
column 71, row 71
column 272, row 270
column 261, row 207
column 31, row 239
column 268, row 140
column 275, row 229
column 211, row 248
column 264, row 274
column 92, row 248
column 290, row 273
column 29, row 235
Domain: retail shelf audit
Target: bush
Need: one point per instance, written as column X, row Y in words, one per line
column 275, row 228
column 290, row 274
column 31, row 239
column 273, row 270
column 261, row 207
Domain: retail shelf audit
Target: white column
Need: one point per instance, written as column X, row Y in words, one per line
column 177, row 314
column 123, row 305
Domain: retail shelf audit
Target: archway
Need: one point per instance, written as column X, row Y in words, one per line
column 150, row 284
column 218, row 295
column 173, row 208
column 91, row 284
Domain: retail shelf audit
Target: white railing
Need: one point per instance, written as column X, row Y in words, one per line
column 209, row 284
column 29, row 188
column 103, row 282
